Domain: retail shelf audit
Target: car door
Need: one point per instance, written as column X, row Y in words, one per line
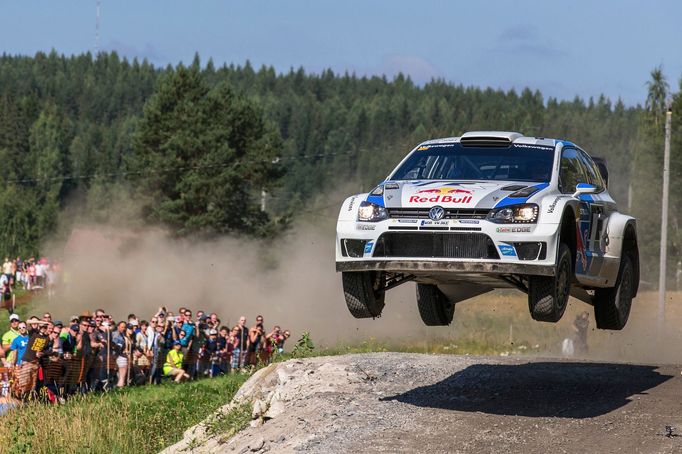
column 574, row 171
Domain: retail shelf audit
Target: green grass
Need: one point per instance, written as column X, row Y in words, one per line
column 133, row 420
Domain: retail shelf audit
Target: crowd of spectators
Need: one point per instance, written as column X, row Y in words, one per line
column 31, row 274
column 92, row 352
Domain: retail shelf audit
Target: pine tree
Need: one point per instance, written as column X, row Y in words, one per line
column 209, row 154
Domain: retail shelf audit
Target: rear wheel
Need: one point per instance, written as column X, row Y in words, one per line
column 548, row 295
column 612, row 305
column 362, row 290
column 434, row 307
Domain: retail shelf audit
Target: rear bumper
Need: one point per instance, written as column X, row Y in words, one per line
column 420, row 266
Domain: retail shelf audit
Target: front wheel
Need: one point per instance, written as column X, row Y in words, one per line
column 612, row 305
column 434, row 307
column 548, row 295
column 363, row 292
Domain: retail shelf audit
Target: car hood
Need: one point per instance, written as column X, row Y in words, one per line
column 451, row 194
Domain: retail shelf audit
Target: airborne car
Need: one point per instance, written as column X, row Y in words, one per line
column 462, row 216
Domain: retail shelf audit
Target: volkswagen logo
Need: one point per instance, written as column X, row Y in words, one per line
column 436, row 213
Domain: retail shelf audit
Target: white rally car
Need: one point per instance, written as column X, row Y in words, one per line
column 464, row 215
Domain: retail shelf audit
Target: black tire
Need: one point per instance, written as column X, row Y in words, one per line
column 548, row 295
column 612, row 305
column 362, row 296
column 434, row 307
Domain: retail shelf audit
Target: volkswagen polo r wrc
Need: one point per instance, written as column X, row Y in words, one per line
column 462, row 216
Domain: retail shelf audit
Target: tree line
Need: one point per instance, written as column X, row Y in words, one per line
column 196, row 147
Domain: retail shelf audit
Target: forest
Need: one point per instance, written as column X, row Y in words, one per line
column 201, row 149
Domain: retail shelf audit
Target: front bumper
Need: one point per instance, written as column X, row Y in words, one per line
column 438, row 266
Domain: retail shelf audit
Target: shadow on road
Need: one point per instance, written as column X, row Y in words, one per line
column 547, row 389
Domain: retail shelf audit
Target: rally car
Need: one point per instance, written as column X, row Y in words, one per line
column 462, row 216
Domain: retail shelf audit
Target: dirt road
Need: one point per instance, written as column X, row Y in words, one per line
column 391, row 402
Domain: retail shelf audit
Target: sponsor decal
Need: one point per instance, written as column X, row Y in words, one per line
column 406, row 221
column 425, row 222
column 368, row 247
column 507, row 250
column 391, row 186
column 538, row 147
column 512, row 229
column 552, row 206
column 365, row 227
column 442, row 195
column 468, row 221
column 352, row 202
column 581, row 253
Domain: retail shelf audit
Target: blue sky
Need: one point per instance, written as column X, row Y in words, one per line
column 563, row 48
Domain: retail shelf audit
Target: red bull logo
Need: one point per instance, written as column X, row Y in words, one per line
column 442, row 195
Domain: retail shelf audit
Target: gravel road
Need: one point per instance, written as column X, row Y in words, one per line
column 393, row 402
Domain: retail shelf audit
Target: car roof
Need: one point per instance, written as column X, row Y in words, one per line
column 498, row 137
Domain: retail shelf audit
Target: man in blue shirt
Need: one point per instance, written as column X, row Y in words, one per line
column 20, row 343
column 188, row 328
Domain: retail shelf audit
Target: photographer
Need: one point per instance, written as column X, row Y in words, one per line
column 255, row 338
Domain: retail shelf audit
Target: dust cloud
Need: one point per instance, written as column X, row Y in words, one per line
column 291, row 281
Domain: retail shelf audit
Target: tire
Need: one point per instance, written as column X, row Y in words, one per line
column 612, row 305
column 434, row 307
column 548, row 295
column 361, row 292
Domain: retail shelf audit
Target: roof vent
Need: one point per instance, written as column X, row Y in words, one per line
column 494, row 139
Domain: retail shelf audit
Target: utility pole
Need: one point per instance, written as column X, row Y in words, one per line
column 97, row 18
column 664, row 222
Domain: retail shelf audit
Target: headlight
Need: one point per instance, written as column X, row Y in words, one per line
column 370, row 212
column 526, row 213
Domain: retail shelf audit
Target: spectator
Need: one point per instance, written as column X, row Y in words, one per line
column 188, row 328
column 19, row 344
column 120, row 345
column 158, row 350
column 6, row 293
column 243, row 338
column 173, row 365
column 255, row 338
column 36, row 345
column 7, row 269
column 10, row 335
column 580, row 326
column 285, row 336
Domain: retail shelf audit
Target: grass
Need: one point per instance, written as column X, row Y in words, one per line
column 132, row 420
column 24, row 310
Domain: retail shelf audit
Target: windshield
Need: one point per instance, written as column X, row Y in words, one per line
column 451, row 161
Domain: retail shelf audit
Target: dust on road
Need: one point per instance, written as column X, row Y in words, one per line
column 395, row 402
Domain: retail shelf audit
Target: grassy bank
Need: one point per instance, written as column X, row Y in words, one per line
column 134, row 420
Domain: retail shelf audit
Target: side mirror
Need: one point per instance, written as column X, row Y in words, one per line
column 584, row 188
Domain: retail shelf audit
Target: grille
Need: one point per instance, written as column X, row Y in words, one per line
column 450, row 213
column 436, row 245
